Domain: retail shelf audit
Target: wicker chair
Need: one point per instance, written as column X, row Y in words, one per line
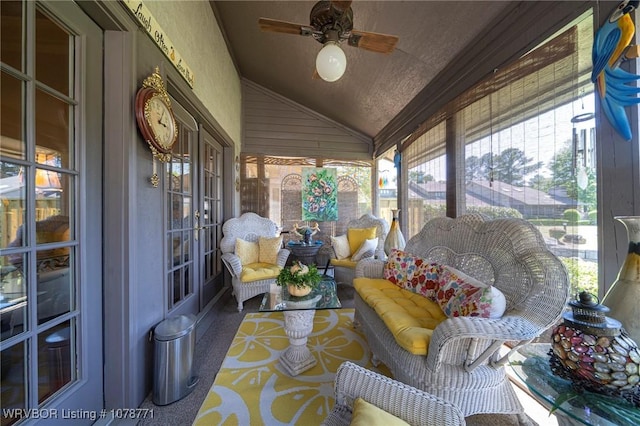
column 344, row 274
column 412, row 405
column 463, row 364
column 249, row 227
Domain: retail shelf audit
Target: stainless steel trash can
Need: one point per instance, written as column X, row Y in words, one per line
column 59, row 357
column 175, row 342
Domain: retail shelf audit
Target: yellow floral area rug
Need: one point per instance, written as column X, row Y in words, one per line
column 252, row 388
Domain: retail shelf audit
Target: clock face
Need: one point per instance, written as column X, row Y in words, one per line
column 161, row 121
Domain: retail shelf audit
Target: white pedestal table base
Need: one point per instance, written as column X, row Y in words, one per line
column 297, row 358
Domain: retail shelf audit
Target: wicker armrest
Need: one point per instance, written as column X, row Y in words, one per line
column 445, row 342
column 369, row 268
column 406, row 402
column 283, row 255
column 233, row 264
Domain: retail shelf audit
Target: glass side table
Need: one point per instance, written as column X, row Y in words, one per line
column 531, row 364
column 298, row 320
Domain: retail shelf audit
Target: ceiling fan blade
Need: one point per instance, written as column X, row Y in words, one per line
column 341, row 5
column 375, row 42
column 316, row 76
column 277, row 26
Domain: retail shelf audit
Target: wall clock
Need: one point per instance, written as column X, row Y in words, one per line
column 155, row 117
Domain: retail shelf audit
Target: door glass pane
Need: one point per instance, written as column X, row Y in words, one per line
column 55, row 359
column 177, row 285
column 53, row 194
column 11, row 26
column 13, row 295
column 53, row 133
column 182, row 157
column 186, row 245
column 53, row 257
column 11, row 131
column 12, row 197
column 176, row 213
column 14, row 380
column 55, row 284
column 13, row 279
column 180, row 212
column 53, row 54
column 176, row 249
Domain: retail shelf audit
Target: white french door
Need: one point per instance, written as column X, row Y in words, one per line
column 51, row 213
column 183, row 218
column 210, row 202
column 193, row 196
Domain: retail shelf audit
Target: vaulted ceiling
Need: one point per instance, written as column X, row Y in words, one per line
column 375, row 87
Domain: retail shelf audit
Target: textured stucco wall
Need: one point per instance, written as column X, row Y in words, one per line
column 192, row 27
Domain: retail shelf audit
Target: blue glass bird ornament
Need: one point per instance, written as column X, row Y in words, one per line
column 397, row 159
column 612, row 83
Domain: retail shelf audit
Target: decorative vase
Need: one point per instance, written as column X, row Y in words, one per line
column 623, row 298
column 594, row 353
column 394, row 239
column 298, row 291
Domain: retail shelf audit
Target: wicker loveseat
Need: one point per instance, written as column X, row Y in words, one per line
column 412, row 405
column 254, row 278
column 463, row 363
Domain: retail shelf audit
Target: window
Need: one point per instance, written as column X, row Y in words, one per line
column 39, row 177
column 387, row 185
column 524, row 140
column 262, row 176
column 427, row 180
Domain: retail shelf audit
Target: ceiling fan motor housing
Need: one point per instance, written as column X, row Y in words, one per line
column 331, row 23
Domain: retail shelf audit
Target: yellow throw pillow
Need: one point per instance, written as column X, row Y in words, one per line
column 269, row 248
column 247, row 251
column 366, row 414
column 357, row 236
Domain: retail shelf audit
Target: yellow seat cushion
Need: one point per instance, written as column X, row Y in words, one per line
column 259, row 271
column 357, row 236
column 347, row 263
column 410, row 317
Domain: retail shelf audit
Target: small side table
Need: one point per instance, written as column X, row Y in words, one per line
column 305, row 253
column 531, row 365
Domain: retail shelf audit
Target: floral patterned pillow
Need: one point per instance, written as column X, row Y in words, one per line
column 460, row 295
column 412, row 273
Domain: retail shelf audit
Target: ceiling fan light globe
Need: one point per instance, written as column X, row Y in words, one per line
column 331, row 62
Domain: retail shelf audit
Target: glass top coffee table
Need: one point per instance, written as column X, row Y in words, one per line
column 531, row 364
column 298, row 320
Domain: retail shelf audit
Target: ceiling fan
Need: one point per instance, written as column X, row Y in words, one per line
column 331, row 23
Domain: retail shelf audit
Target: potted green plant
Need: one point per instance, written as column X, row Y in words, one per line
column 300, row 279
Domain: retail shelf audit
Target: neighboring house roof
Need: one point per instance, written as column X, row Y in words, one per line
column 485, row 193
column 435, row 193
column 516, row 195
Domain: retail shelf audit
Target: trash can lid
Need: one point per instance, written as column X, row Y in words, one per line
column 172, row 328
column 60, row 336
